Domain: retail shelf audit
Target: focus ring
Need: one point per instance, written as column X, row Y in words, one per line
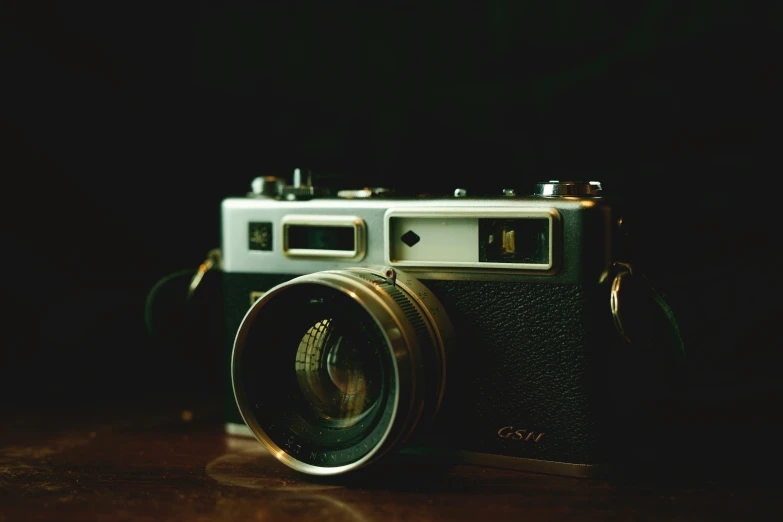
column 431, row 372
column 409, row 308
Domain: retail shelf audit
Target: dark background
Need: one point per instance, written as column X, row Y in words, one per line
column 124, row 125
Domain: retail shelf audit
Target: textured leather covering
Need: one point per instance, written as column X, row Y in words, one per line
column 525, row 357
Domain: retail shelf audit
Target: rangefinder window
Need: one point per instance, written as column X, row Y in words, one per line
column 324, row 236
column 514, row 241
column 476, row 238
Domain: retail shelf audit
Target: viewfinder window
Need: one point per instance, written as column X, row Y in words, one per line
column 312, row 237
column 324, row 236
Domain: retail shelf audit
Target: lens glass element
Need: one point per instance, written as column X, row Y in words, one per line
column 338, row 372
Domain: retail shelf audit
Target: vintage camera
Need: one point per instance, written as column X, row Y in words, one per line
column 494, row 328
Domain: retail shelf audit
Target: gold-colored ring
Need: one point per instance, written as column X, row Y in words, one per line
column 214, row 261
column 624, row 269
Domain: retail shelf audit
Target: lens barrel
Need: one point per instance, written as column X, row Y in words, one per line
column 334, row 369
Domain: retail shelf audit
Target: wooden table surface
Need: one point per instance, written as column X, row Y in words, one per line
column 173, row 462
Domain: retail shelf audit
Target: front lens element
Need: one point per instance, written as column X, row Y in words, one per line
column 332, row 369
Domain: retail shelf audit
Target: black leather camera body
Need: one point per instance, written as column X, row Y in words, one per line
column 366, row 322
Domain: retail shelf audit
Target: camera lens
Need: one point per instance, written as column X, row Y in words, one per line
column 332, row 370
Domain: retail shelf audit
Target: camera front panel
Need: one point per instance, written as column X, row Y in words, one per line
column 547, row 240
